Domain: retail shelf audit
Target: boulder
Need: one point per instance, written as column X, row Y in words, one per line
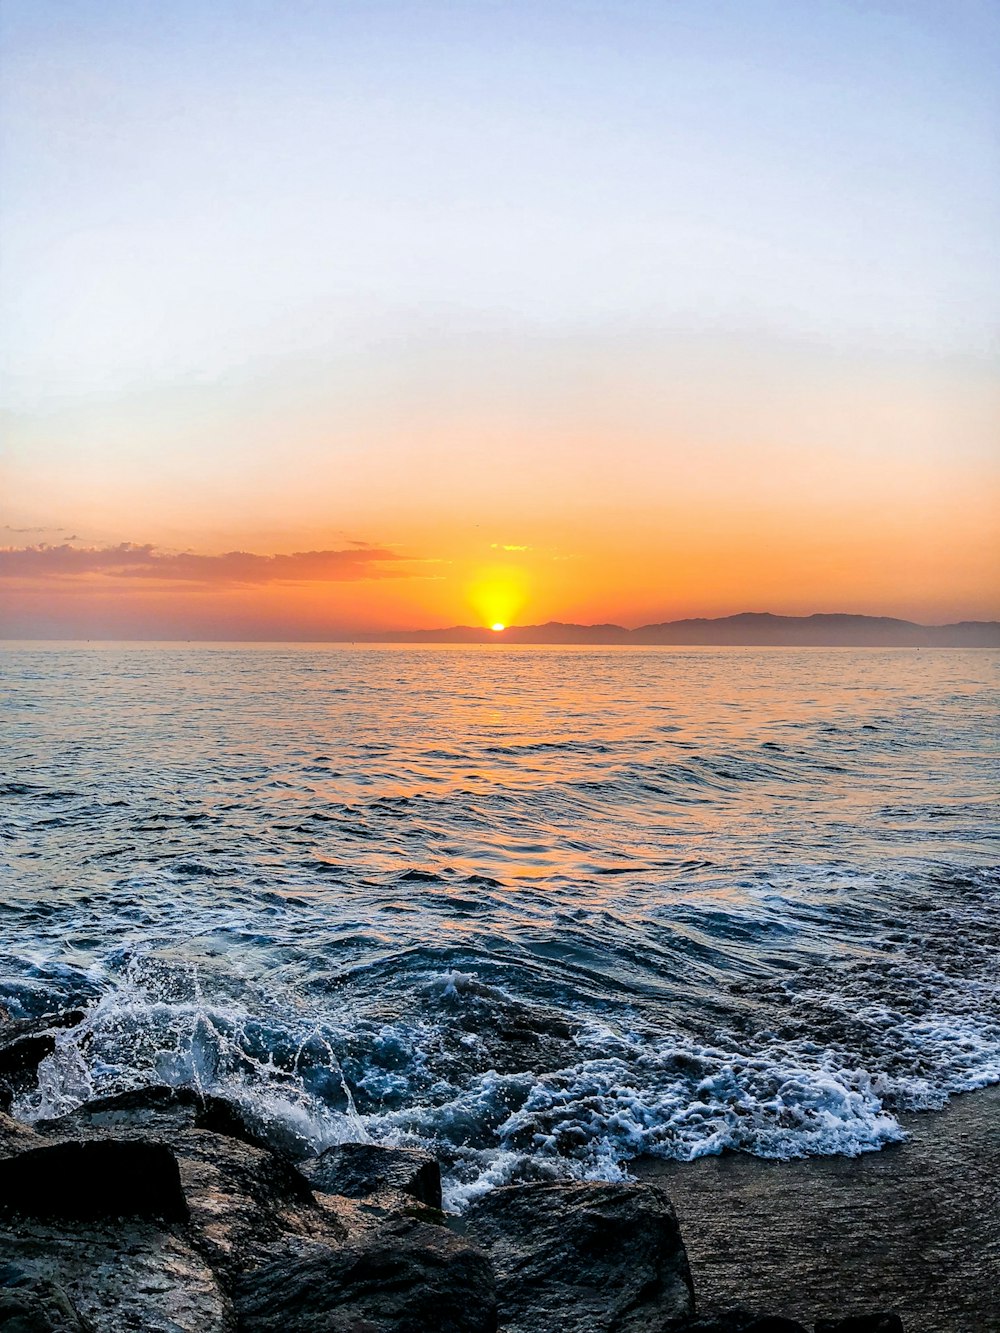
column 241, row 1195
column 359, row 1170
column 401, row 1277
column 25, row 1042
column 106, row 1178
column 30, row 1304
column 15, row 1135
column 122, row 1275
column 583, row 1258
column 160, row 1109
column 242, row 1198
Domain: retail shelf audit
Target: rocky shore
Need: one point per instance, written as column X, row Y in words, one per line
column 166, row 1211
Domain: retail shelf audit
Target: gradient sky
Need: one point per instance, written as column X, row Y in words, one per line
column 322, row 315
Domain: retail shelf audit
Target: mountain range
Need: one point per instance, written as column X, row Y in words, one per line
column 748, row 629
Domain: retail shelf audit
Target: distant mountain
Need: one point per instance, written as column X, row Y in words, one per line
column 748, row 629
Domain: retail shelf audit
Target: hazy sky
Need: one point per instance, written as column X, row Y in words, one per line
column 473, row 311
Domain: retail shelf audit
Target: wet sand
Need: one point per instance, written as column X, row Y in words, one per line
column 914, row 1228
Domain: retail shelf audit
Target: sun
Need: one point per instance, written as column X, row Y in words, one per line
column 498, row 626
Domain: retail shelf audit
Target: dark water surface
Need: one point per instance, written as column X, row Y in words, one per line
column 544, row 910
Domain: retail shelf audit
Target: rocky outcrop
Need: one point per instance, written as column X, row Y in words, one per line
column 400, row 1277
column 581, row 1257
column 163, row 1211
column 159, row 1109
column 361, row 1170
column 35, row 1305
column 24, row 1044
column 89, row 1180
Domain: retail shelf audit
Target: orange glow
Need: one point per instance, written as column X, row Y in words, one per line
column 497, row 595
column 630, row 501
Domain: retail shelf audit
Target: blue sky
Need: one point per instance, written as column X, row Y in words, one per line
column 192, row 185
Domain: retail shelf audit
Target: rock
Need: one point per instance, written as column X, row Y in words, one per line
column 15, row 1135
column 241, row 1195
column 738, row 1321
column 106, row 1178
column 774, row 1324
column 358, row 1170
column 157, row 1108
column 34, row 1305
column 583, row 1258
column 725, row 1321
column 880, row 1322
column 121, row 1276
column 25, row 1042
column 402, row 1277
column 243, row 1198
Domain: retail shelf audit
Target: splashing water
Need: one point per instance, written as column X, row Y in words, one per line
column 541, row 911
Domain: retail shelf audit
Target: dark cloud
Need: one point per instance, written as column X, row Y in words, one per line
column 128, row 560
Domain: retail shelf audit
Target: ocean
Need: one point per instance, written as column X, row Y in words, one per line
column 543, row 911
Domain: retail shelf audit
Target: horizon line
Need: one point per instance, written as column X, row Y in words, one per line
column 820, row 629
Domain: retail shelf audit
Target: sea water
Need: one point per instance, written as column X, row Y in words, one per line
column 538, row 910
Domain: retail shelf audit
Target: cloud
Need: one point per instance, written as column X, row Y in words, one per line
column 128, row 560
column 497, row 546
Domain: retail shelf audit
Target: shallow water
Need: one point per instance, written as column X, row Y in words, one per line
column 541, row 909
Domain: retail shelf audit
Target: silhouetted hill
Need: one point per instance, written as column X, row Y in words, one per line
column 748, row 629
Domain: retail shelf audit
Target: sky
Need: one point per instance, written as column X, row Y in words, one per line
column 320, row 316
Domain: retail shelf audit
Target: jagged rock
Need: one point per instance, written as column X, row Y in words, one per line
column 24, row 1044
column 106, row 1178
column 35, row 1305
column 241, row 1195
column 879, row 1322
column 402, row 1277
column 584, row 1257
column 243, row 1198
column 14, row 1135
column 123, row 1276
column 358, row 1170
column 774, row 1324
column 157, row 1108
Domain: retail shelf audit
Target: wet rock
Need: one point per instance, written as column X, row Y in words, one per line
column 14, row 1135
column 122, row 1276
column 584, row 1257
column 774, row 1324
column 402, row 1277
column 157, row 1108
column 358, row 1170
column 240, row 1195
column 24, row 1044
column 880, row 1322
column 242, row 1198
column 106, row 1178
column 34, row 1305
column 738, row 1321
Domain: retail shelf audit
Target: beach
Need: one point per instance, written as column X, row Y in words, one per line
column 914, row 1228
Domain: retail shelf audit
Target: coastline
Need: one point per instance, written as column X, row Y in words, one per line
column 914, row 1227
column 169, row 1210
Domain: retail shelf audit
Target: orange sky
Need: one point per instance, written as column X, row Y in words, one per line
column 678, row 317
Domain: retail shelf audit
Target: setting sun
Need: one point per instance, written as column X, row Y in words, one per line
column 497, row 627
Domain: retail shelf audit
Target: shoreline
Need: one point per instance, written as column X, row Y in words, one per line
column 168, row 1209
column 914, row 1227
